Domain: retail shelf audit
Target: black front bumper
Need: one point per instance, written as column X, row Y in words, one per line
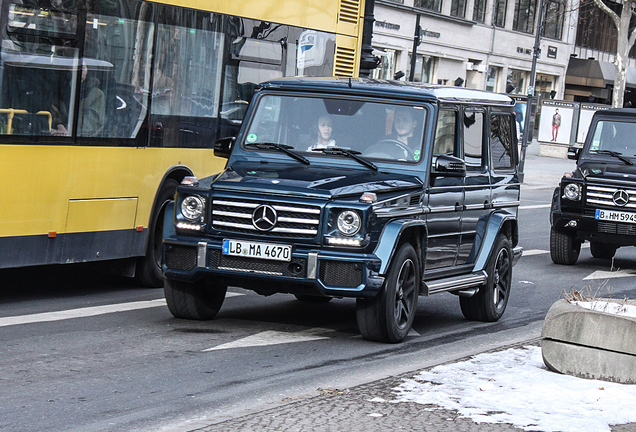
column 310, row 271
column 585, row 226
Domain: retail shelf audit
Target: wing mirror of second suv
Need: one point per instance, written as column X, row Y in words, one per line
column 573, row 153
column 447, row 165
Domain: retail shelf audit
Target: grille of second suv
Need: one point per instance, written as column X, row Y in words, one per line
column 293, row 220
column 603, row 195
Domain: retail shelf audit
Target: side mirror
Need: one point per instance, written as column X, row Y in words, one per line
column 447, row 165
column 573, row 153
column 223, row 147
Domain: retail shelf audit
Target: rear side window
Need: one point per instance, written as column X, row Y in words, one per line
column 473, row 139
column 501, row 142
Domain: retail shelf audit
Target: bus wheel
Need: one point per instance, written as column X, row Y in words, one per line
column 388, row 316
column 149, row 271
column 199, row 300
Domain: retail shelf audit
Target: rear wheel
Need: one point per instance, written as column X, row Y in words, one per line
column 602, row 251
column 149, row 271
column 388, row 316
column 200, row 300
column 564, row 248
column 491, row 300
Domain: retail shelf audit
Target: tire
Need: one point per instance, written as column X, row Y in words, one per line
column 564, row 248
column 388, row 316
column 491, row 300
column 200, row 300
column 312, row 299
column 149, row 272
column 602, row 251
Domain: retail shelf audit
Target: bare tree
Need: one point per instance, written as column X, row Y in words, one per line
column 624, row 42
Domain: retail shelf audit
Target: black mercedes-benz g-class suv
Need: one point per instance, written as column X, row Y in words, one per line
column 381, row 191
column 597, row 201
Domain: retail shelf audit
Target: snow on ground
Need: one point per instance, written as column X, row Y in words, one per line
column 609, row 307
column 515, row 387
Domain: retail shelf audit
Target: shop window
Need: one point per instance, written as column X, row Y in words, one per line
column 423, row 68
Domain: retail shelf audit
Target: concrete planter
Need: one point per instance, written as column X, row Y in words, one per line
column 590, row 344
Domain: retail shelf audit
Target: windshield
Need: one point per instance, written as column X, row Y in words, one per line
column 309, row 125
column 614, row 136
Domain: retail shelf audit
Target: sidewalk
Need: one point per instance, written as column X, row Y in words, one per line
column 368, row 407
column 543, row 172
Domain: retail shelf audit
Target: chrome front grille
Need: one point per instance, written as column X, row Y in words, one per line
column 603, row 195
column 293, row 220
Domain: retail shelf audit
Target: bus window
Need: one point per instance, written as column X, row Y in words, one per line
column 116, row 82
column 38, row 70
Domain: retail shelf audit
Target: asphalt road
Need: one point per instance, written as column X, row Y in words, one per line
column 88, row 352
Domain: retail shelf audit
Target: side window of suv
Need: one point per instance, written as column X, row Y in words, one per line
column 501, row 142
column 445, row 134
column 473, row 124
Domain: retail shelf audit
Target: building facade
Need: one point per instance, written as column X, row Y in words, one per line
column 481, row 44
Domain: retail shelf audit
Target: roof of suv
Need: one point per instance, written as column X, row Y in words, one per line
column 387, row 88
column 624, row 112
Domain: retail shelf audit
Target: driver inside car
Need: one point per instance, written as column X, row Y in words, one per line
column 404, row 124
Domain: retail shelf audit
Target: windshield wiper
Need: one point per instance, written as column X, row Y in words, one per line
column 280, row 147
column 615, row 154
column 353, row 154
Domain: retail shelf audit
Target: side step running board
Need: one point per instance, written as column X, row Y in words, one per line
column 466, row 285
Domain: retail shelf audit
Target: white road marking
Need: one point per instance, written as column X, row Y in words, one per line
column 534, row 252
column 535, row 206
column 273, row 337
column 602, row 274
column 86, row 312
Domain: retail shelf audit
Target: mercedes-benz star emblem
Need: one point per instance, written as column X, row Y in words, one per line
column 264, row 218
column 620, row 198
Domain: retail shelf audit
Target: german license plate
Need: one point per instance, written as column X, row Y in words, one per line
column 615, row 216
column 250, row 249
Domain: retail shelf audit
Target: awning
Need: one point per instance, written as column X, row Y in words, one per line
column 595, row 73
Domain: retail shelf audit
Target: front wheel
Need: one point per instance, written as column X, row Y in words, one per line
column 564, row 248
column 388, row 316
column 602, row 251
column 490, row 302
column 199, row 300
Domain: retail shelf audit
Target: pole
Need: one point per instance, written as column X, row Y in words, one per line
column 368, row 61
column 528, row 128
column 416, row 43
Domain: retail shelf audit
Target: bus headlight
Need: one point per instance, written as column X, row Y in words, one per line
column 192, row 207
column 572, row 191
column 349, row 222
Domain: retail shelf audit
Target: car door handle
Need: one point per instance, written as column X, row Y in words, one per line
column 459, row 207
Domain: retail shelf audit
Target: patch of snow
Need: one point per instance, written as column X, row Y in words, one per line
column 514, row 387
column 609, row 307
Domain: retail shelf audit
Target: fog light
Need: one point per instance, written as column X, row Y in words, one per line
column 572, row 224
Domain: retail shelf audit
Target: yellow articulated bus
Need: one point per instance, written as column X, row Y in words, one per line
column 105, row 106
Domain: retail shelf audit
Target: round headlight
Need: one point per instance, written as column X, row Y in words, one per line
column 348, row 222
column 192, row 207
column 572, row 191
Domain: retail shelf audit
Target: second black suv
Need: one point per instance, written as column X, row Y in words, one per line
column 380, row 191
column 597, row 202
